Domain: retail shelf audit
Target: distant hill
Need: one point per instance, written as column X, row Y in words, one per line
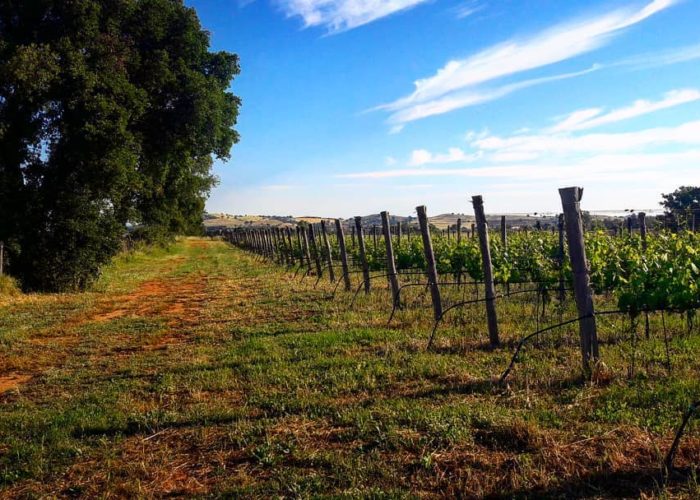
column 442, row 221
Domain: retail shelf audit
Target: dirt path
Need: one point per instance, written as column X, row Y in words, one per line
column 176, row 299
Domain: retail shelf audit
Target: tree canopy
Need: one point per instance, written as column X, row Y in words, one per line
column 682, row 207
column 110, row 114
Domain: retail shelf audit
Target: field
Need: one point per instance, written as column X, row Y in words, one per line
column 202, row 369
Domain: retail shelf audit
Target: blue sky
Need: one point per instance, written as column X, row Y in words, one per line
column 355, row 106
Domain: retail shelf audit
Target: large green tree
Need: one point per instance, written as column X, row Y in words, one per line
column 682, row 207
column 110, row 114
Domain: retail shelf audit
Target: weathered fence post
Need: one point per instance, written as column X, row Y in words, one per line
column 363, row 253
column 292, row 259
column 314, row 251
column 343, row 254
column 281, row 247
column 285, row 248
column 307, row 250
column 504, row 233
column 560, row 227
column 482, row 228
column 329, row 254
column 301, row 247
column 643, row 228
column 431, row 268
column 570, row 199
column 473, row 233
column 629, row 225
column 459, row 230
column 390, row 264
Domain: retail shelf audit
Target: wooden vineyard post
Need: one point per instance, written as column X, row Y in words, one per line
column 473, row 230
column 343, row 254
column 292, row 259
column 629, row 225
column 430, row 261
column 490, row 289
column 390, row 264
column 258, row 244
column 329, row 254
column 301, row 248
column 504, row 242
column 271, row 244
column 314, row 250
column 281, row 247
column 363, row 253
column 504, row 233
column 307, row 251
column 266, row 244
column 285, row 249
column 459, row 231
column 560, row 227
column 274, row 253
column 570, row 200
column 643, row 228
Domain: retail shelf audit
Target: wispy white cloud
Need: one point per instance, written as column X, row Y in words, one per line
column 558, row 144
column 457, row 84
column 467, row 9
column 617, row 167
column 469, row 97
column 594, row 117
column 343, row 15
column 424, row 157
column 546, row 155
column 657, row 59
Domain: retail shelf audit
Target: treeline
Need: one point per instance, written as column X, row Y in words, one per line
column 110, row 114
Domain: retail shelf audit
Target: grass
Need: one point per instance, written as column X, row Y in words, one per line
column 199, row 370
column 8, row 287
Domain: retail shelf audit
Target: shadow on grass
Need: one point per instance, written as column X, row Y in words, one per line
column 620, row 484
column 135, row 428
column 472, row 387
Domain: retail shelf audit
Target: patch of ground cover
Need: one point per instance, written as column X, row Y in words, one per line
column 265, row 387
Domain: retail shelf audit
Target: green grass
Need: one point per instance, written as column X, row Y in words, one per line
column 198, row 370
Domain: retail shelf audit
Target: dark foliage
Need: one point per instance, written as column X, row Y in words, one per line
column 682, row 207
column 110, row 113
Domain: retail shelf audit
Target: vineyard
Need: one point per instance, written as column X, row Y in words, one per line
column 333, row 359
column 637, row 281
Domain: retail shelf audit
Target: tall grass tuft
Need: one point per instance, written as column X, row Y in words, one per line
column 9, row 287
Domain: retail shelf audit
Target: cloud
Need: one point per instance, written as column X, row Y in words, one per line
column 662, row 58
column 651, row 152
column 390, row 161
column 467, row 9
column 610, row 168
column 456, row 84
column 590, row 118
column 538, row 144
column 466, row 98
column 424, row 157
column 343, row 15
